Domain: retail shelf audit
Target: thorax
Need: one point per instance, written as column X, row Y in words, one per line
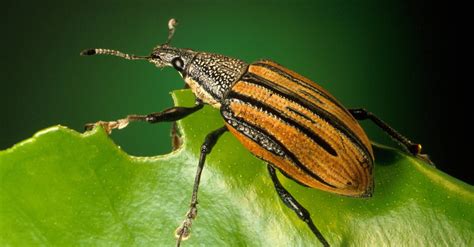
column 210, row 76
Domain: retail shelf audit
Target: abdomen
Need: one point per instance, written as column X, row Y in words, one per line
column 297, row 126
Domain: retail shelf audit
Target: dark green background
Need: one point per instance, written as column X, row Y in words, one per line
column 395, row 58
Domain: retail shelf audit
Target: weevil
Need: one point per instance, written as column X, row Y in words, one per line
column 281, row 117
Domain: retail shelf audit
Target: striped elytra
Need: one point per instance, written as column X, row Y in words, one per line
column 294, row 124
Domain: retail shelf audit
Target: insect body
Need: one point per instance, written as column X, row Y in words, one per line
column 280, row 116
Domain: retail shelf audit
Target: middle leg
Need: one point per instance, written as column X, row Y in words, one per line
column 294, row 205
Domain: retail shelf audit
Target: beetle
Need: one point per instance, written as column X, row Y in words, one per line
column 281, row 117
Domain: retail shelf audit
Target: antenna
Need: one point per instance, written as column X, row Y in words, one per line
column 99, row 51
column 172, row 23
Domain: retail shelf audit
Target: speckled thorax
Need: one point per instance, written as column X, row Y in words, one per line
column 210, row 76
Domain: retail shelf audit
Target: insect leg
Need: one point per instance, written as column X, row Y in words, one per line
column 294, row 205
column 184, row 230
column 168, row 115
column 410, row 146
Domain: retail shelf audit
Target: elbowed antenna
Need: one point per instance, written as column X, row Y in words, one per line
column 172, row 23
column 90, row 52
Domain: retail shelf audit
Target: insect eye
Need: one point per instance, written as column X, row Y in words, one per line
column 178, row 63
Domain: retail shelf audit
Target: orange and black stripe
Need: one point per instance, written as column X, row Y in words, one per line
column 300, row 128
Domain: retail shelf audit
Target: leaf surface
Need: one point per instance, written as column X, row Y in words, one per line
column 64, row 188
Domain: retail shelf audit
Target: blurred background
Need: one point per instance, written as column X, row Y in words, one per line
column 399, row 59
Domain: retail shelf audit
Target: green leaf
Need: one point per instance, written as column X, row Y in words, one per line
column 63, row 188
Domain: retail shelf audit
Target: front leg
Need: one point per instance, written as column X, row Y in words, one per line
column 183, row 231
column 169, row 115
